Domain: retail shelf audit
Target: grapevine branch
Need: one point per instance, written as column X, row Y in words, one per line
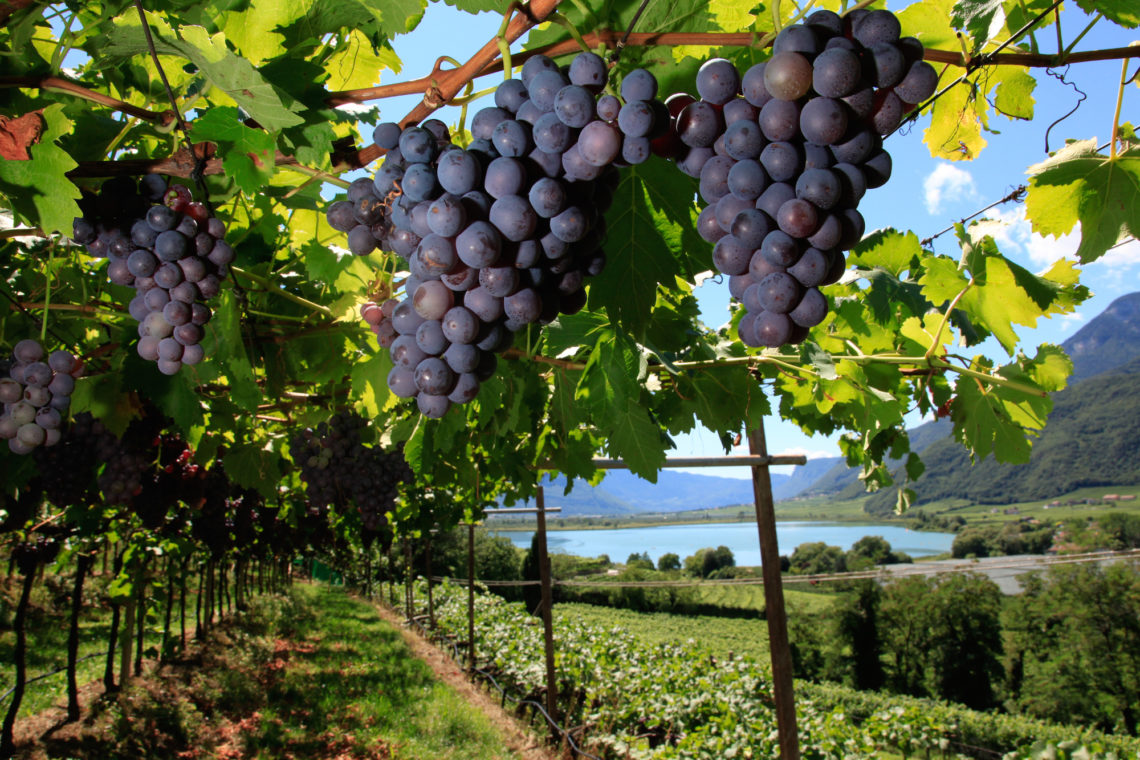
column 69, row 87
column 925, row 363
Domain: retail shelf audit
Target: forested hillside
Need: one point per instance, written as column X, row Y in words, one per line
column 1092, row 439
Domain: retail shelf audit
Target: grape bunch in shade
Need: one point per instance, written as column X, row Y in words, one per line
column 170, row 249
column 36, row 395
column 339, row 469
column 67, row 469
column 785, row 152
column 504, row 233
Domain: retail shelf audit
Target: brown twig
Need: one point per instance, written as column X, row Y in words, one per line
column 8, row 7
column 514, row 353
column 59, row 84
column 445, row 85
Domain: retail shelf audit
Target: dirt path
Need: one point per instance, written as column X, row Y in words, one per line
column 517, row 737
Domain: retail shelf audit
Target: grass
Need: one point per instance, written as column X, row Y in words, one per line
column 353, row 676
column 317, row 674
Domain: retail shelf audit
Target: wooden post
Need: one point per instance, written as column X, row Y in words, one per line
column 547, row 613
column 409, row 579
column 427, row 570
column 774, row 601
column 471, row 595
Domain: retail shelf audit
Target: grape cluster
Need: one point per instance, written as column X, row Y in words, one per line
column 38, row 549
column 785, row 152
column 504, row 233
column 338, row 468
column 378, row 317
column 36, row 396
column 170, row 248
column 67, row 470
column 129, row 458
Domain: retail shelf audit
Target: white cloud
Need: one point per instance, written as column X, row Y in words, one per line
column 1013, row 234
column 809, row 453
column 947, row 183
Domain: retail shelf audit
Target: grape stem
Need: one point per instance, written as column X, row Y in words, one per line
column 1116, row 115
column 69, row 87
column 782, row 360
column 273, row 288
column 946, row 318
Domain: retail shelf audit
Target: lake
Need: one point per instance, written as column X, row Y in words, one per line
column 741, row 538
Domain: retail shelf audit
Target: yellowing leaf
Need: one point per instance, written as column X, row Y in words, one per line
column 1014, row 94
column 955, row 132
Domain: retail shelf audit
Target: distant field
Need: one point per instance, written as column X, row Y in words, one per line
column 719, row 635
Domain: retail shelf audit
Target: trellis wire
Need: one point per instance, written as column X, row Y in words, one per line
column 51, row 673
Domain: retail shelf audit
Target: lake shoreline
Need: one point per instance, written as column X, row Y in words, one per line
column 685, row 539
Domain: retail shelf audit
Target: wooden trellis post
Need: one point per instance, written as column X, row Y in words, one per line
column 759, row 460
column 547, row 612
column 471, row 595
column 774, row 600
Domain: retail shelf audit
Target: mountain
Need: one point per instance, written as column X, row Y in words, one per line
column 1091, row 440
column 805, row 476
column 1109, row 341
column 1107, row 344
column 622, row 492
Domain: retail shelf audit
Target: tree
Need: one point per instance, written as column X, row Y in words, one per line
column 858, row 629
column 639, row 561
column 1121, row 528
column 1074, row 653
column 942, row 637
column 705, row 562
column 816, row 558
column 869, row 551
column 668, row 561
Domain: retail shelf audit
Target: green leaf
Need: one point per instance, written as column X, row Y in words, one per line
column 651, row 210
column 942, row 280
column 893, row 251
column 995, row 418
column 927, row 22
column 1123, row 12
column 1014, row 95
column 270, row 107
column 369, row 379
column 226, row 345
column 1079, row 184
column 635, row 438
column 38, row 188
column 247, row 154
column 254, row 465
column 982, row 19
column 708, row 389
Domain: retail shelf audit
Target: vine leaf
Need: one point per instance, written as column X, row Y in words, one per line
column 247, row 154
column 1123, row 12
column 651, row 208
column 955, row 131
column 252, row 465
column 1014, row 95
column 983, row 20
column 270, row 107
column 994, row 418
column 38, row 188
column 1077, row 184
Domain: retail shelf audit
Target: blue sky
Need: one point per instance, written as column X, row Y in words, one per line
column 924, row 194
